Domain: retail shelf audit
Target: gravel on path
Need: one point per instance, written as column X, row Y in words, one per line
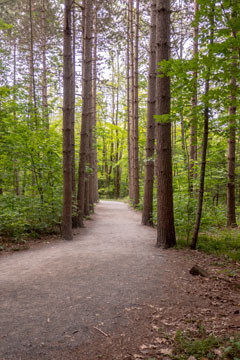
column 89, row 298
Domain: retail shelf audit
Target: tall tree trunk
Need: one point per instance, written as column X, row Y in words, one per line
column 44, row 69
column 205, row 140
column 193, row 128
column 183, row 141
column 203, row 167
column 128, row 100
column 135, row 124
column 165, row 224
column 131, row 117
column 231, row 207
column 15, row 164
column 150, row 143
column 95, row 161
column 73, row 85
column 33, row 99
column 67, row 103
column 86, row 110
column 231, row 201
column 91, row 145
column 117, row 166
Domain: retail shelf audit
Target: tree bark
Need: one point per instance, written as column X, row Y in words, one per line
column 15, row 164
column 44, row 69
column 231, row 206
column 128, row 101
column 135, row 119
column 131, row 101
column 95, row 161
column 231, row 201
column 205, row 141
column 165, row 219
column 150, row 141
column 203, row 167
column 86, row 112
column 194, row 125
column 33, row 99
column 117, row 166
column 73, row 85
column 67, row 103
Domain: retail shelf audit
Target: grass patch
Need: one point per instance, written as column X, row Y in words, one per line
column 205, row 347
column 221, row 242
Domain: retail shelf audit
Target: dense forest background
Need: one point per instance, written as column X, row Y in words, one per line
column 112, row 39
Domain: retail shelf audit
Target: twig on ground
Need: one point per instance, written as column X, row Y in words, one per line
column 102, row 332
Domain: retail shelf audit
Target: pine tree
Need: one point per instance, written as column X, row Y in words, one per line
column 165, row 220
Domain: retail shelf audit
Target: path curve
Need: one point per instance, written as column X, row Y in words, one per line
column 69, row 300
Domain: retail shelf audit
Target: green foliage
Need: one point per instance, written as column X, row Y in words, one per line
column 30, row 168
column 162, row 119
column 218, row 241
column 232, row 351
column 22, row 217
column 202, row 346
column 185, row 345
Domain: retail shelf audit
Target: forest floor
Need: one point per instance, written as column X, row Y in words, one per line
column 111, row 294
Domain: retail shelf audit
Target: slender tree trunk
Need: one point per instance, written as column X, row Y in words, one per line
column 231, row 207
column 95, row 161
column 86, row 110
column 117, row 166
column 128, row 100
column 44, row 70
column 91, row 145
column 165, row 224
column 205, row 142
column 73, row 85
column 131, row 118
column 15, row 165
column 193, row 128
column 231, row 201
column 203, row 167
column 183, row 141
column 150, row 143
column 67, row 103
column 33, row 98
column 135, row 124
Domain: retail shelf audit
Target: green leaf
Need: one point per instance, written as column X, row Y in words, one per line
column 162, row 119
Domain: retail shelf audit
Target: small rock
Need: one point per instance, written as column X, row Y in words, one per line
column 191, row 358
column 197, row 270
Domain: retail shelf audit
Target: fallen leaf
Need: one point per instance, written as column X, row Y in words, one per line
column 165, row 351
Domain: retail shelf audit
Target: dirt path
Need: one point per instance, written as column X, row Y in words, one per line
column 91, row 298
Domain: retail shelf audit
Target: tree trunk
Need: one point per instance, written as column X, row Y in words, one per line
column 73, row 85
column 205, row 143
column 67, row 103
column 117, row 166
column 44, row 69
column 86, row 111
column 15, row 164
column 128, row 101
column 193, row 128
column 165, row 219
column 231, row 207
column 33, row 99
column 131, row 101
column 231, row 202
column 135, row 124
column 150, row 141
column 95, row 161
column 203, row 166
